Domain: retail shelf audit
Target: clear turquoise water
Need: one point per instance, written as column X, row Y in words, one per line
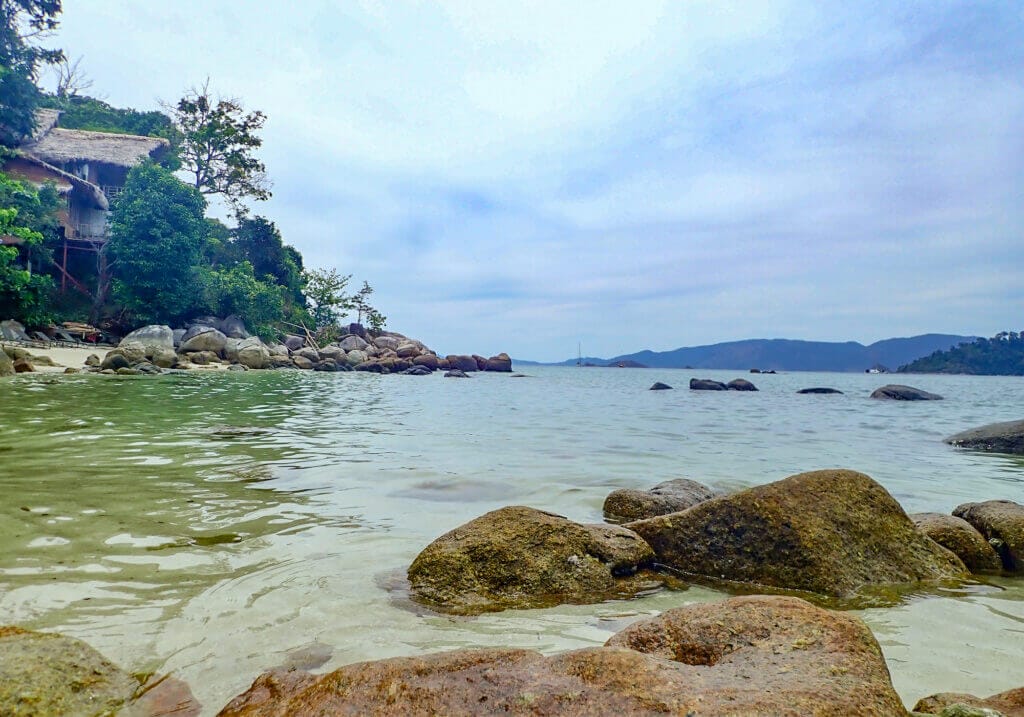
column 216, row 525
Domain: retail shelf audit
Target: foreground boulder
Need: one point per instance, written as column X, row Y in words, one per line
column 50, row 674
column 6, row 365
column 671, row 496
column 1001, row 522
column 833, row 532
column 1006, row 437
column 959, row 536
column 252, row 353
column 745, row 656
column 519, row 557
column 897, row 392
column 1008, row 704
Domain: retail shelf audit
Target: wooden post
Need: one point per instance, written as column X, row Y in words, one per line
column 64, row 269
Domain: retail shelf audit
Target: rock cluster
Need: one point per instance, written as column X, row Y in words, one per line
column 211, row 341
column 748, row 655
column 706, row 384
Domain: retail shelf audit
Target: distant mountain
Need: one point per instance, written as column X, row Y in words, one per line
column 789, row 355
column 1001, row 355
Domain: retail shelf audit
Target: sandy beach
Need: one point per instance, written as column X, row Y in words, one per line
column 74, row 356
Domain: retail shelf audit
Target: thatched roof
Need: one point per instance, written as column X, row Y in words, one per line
column 58, row 146
column 65, row 180
column 46, row 119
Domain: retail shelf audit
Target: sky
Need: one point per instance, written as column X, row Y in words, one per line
column 532, row 176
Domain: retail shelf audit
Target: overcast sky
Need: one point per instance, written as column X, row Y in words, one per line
column 523, row 176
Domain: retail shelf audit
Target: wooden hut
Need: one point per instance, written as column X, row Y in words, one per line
column 88, row 169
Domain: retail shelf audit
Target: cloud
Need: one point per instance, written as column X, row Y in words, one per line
column 523, row 176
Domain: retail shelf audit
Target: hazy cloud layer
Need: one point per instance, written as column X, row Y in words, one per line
column 524, row 176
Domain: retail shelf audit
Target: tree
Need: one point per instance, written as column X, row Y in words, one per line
column 23, row 294
column 71, row 78
column 157, row 233
column 361, row 303
column 259, row 241
column 325, row 291
column 218, row 139
column 238, row 291
column 22, row 24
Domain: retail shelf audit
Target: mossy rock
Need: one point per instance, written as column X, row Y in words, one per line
column 671, row 496
column 831, row 532
column 962, row 538
column 50, row 674
column 1002, row 524
column 519, row 557
column 6, row 364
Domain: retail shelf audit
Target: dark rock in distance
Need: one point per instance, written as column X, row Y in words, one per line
column 501, row 363
column 962, row 538
column 740, row 384
column 457, row 373
column 760, row 655
column 705, row 384
column 659, row 386
column 819, row 389
column 519, row 557
column 671, row 496
column 1001, row 522
column 1006, row 437
column 416, row 371
column 897, row 392
column 832, row 532
column 462, row 363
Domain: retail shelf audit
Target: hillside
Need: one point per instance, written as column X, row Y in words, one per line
column 790, row 355
column 1001, row 355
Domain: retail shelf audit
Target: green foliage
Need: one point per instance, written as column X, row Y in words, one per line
column 22, row 23
column 1001, row 355
column 325, row 292
column 361, row 303
column 217, row 143
column 157, row 233
column 23, row 295
column 88, row 113
column 238, row 291
column 259, row 242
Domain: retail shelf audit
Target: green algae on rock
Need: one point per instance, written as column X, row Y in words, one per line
column 754, row 655
column 1002, row 524
column 832, row 532
column 519, row 557
column 50, row 674
column 959, row 536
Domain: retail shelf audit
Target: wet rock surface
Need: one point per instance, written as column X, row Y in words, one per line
column 519, row 557
column 755, row 655
column 1008, row 704
column 1001, row 522
column 959, row 536
column 819, row 390
column 832, row 532
column 670, row 496
column 1005, row 437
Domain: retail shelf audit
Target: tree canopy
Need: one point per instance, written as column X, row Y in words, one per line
column 218, row 139
column 22, row 24
column 157, row 230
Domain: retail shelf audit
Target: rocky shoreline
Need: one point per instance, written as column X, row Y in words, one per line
column 211, row 343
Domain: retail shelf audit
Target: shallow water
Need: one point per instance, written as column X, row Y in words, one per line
column 215, row 525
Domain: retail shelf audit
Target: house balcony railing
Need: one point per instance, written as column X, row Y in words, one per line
column 90, row 233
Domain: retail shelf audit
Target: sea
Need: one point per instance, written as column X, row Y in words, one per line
column 214, row 525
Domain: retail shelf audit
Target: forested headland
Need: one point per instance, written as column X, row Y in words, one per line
column 1001, row 355
column 161, row 257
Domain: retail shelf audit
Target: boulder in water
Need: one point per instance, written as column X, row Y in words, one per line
column 959, row 536
column 832, row 532
column 757, row 655
column 819, row 389
column 659, row 386
column 6, row 365
column 740, row 384
column 502, row 363
column 669, row 497
column 958, row 704
column 1006, row 437
column 252, row 353
column 706, row 384
column 897, row 392
column 519, row 557
column 1001, row 522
